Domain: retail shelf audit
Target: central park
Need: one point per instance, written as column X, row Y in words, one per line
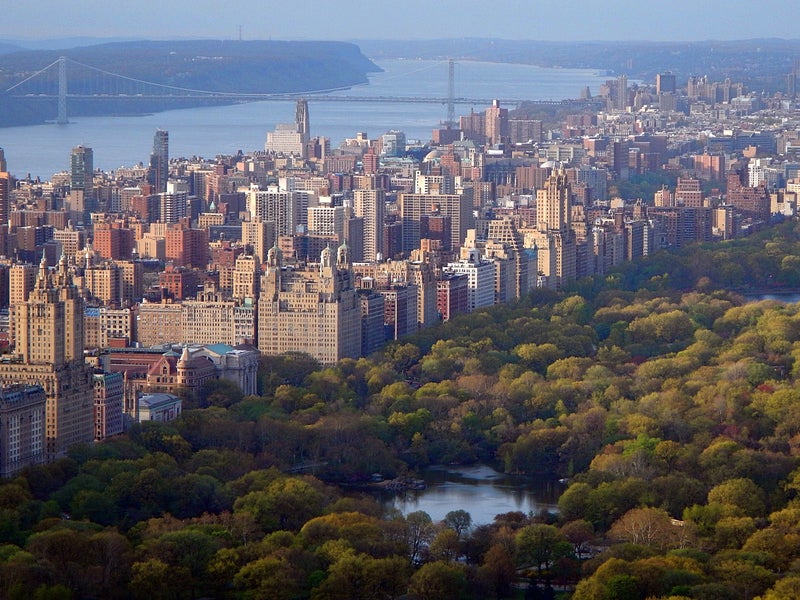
column 663, row 398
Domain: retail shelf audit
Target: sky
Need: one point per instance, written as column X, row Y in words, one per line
column 658, row 20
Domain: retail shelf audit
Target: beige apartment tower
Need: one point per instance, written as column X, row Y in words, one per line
column 555, row 240
column 370, row 205
column 49, row 352
column 313, row 310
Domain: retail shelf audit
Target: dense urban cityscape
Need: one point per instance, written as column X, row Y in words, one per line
column 181, row 270
column 123, row 294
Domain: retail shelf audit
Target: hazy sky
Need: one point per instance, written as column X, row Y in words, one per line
column 661, row 20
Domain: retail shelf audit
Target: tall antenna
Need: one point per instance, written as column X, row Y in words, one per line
column 451, row 94
column 240, row 33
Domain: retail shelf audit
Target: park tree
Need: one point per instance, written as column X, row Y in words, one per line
column 540, row 546
column 438, row 581
column 741, row 493
column 651, row 527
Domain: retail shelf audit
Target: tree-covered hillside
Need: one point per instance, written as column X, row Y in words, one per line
column 256, row 67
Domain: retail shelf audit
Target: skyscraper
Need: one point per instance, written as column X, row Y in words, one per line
column 621, row 93
column 457, row 206
column 496, row 123
column 49, row 349
column 371, row 206
column 5, row 196
column 555, row 239
column 280, row 207
column 301, row 119
column 665, row 82
column 82, row 174
column 314, row 310
column 159, row 161
column 553, row 211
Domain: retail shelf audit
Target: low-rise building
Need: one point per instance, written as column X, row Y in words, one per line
column 159, row 407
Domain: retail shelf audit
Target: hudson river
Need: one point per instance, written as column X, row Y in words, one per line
column 42, row 150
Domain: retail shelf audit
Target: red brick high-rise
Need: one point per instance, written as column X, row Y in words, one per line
column 186, row 246
column 113, row 241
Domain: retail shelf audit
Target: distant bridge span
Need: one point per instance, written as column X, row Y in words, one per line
column 105, row 86
column 310, row 96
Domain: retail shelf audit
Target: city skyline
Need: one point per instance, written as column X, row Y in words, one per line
column 588, row 20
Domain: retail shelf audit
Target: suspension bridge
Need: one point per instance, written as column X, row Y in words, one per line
column 66, row 79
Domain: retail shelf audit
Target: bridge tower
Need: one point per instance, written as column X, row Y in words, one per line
column 62, row 91
column 451, row 94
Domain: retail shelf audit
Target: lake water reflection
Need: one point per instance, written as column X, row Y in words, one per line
column 480, row 490
column 787, row 297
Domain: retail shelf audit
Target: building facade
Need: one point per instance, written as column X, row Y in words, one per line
column 313, row 309
column 22, row 427
column 49, row 352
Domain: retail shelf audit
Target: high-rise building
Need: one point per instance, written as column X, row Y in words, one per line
column 496, row 123
column 5, row 196
column 301, row 119
column 72, row 240
column 474, row 126
column 174, row 202
column 665, row 83
column 285, row 139
column 22, row 435
column 49, row 352
column 621, row 93
column 113, row 240
column 458, row 207
column 246, row 277
column 260, row 235
column 314, row 310
column 504, row 231
column 555, row 240
column 480, row 278
column 82, row 178
column 208, row 319
column 689, row 193
column 400, row 316
column 370, row 162
column 393, row 143
column 186, row 246
column 553, row 211
column 596, row 179
column 327, row 220
column 108, row 405
column 371, row 206
column 158, row 324
column 21, row 279
column 104, row 283
column 158, row 172
column 452, row 295
column 280, row 207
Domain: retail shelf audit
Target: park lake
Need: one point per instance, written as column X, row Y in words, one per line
column 480, row 490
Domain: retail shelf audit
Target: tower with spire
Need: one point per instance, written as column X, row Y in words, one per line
column 313, row 309
column 49, row 351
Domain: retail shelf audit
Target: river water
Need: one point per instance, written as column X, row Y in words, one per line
column 42, row 150
column 479, row 490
